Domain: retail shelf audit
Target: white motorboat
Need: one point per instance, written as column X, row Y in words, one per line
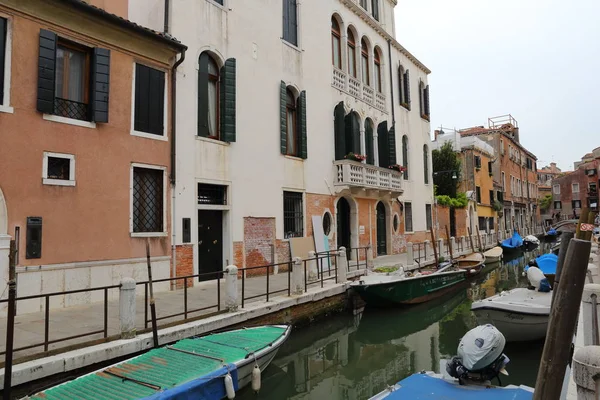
column 521, row 314
column 493, row 255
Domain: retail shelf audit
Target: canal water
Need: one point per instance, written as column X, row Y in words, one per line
column 356, row 356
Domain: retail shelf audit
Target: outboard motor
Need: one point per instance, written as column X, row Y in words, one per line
column 479, row 356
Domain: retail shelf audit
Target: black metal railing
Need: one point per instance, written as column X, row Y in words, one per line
column 358, row 262
column 71, row 109
column 323, row 260
column 419, row 251
column 186, row 311
column 270, row 269
column 47, row 340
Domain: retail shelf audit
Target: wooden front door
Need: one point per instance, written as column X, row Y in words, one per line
column 210, row 243
column 381, row 230
column 343, row 224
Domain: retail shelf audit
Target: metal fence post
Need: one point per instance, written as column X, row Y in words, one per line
column 589, row 302
column 127, row 309
column 231, row 284
column 10, row 322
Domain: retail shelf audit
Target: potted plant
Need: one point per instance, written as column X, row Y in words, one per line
column 397, row 167
column 355, row 157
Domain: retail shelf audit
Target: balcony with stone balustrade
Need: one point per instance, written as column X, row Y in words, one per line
column 359, row 177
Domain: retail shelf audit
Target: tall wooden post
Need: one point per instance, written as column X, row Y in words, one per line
column 10, row 321
column 479, row 240
column 470, row 238
column 563, row 320
column 152, row 303
column 449, row 244
column 435, row 253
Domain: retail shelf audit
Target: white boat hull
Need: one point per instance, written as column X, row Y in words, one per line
column 515, row 327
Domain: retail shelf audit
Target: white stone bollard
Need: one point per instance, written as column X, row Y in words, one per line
column 297, row 277
column 342, row 267
column 586, row 310
column 231, row 288
column 410, row 259
column 453, row 244
column 127, row 308
column 586, row 367
column 370, row 256
column 312, row 265
column 593, row 271
column 440, row 244
column 428, row 252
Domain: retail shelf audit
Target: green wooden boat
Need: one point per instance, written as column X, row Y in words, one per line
column 389, row 290
column 191, row 368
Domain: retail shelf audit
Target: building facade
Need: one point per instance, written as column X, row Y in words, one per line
column 85, row 132
column 545, row 177
column 514, row 171
column 575, row 190
column 276, row 108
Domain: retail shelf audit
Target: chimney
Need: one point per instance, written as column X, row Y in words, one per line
column 435, row 135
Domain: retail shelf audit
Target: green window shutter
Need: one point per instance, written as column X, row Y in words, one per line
column 203, row 95
column 407, row 87
column 405, row 155
column 100, row 84
column 227, row 101
column 369, row 143
column 339, row 131
column 383, row 143
column 352, row 129
column 46, row 72
column 302, row 125
column 283, row 117
column 426, row 100
column 391, row 145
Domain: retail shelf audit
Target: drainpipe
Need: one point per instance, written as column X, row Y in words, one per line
column 166, row 29
column 173, row 162
column 392, row 86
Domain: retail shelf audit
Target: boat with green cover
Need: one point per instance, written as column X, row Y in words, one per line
column 389, row 290
column 195, row 368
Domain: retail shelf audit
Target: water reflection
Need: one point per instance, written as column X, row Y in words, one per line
column 355, row 356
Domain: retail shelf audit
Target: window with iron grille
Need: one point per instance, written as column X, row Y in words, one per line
column 59, row 168
column 293, row 215
column 408, row 222
column 212, row 194
column 482, row 224
column 148, row 198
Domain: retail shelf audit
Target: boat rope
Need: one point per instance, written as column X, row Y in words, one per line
column 196, row 354
column 228, row 345
column 142, row 383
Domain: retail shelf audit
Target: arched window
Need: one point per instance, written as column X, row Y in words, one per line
column 351, row 54
column 426, row 164
column 208, row 97
column 336, row 43
column 405, row 155
column 292, row 132
column 377, row 70
column 369, row 147
column 365, row 62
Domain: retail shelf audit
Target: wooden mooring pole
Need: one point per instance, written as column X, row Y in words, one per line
column 479, row 240
column 152, row 303
column 10, row 320
column 449, row 244
column 435, row 253
column 471, row 239
column 562, row 253
column 562, row 323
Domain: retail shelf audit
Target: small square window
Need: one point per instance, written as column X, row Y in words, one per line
column 58, row 169
column 557, row 205
column 575, row 187
column 148, row 201
column 556, row 189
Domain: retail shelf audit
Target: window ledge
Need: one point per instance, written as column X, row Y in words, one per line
column 210, row 140
column 409, row 232
column 69, row 121
column 214, row 3
column 148, row 234
column 295, row 158
column 6, row 109
column 293, row 46
column 57, row 182
column 147, row 135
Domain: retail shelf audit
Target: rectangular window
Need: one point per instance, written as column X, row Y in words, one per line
column 491, row 197
column 482, row 224
column 72, row 81
column 293, row 215
column 500, row 196
column 491, row 224
column 428, row 216
column 290, row 22
column 364, row 4
column 3, row 58
column 212, row 194
column 149, row 106
column 490, row 172
column 557, row 205
column 478, row 194
column 408, row 222
column 375, row 9
column 503, row 182
column 58, row 169
column 576, row 204
column 592, row 188
column 477, row 162
column 501, row 146
column 148, row 200
column 365, row 67
column 556, row 189
column 575, row 188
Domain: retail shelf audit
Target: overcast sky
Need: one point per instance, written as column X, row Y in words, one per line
column 538, row 60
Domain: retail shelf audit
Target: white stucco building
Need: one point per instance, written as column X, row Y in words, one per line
column 271, row 97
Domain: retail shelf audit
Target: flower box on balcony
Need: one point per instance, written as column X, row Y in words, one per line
column 355, row 157
column 396, row 167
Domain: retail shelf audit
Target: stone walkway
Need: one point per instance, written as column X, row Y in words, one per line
column 71, row 321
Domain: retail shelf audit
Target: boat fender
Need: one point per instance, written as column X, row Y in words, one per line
column 256, row 378
column 229, row 390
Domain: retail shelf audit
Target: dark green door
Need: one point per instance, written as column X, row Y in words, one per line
column 343, row 224
column 381, row 230
column 210, row 243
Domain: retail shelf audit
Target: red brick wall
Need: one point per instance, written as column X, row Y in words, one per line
column 282, row 253
column 259, row 236
column 398, row 238
column 185, row 263
column 238, row 254
column 316, row 205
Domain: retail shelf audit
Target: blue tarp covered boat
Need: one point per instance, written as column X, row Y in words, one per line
column 513, row 243
column 429, row 386
column 547, row 264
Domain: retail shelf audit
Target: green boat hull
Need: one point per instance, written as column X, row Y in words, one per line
column 409, row 291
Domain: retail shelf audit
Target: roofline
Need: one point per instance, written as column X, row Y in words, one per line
column 464, row 132
column 115, row 19
column 375, row 25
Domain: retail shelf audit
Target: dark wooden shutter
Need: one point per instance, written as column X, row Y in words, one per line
column 142, row 96
column 426, row 100
column 407, row 87
column 286, row 19
column 2, row 56
column 46, row 72
column 100, row 84
column 157, row 102
column 425, row 165
column 293, row 22
column 339, row 131
column 203, row 95
column 421, row 95
column 228, row 101
column 283, row 117
column 352, row 129
column 383, row 143
column 375, row 9
column 391, row 145
column 302, row 125
column 405, row 155
column 369, row 143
